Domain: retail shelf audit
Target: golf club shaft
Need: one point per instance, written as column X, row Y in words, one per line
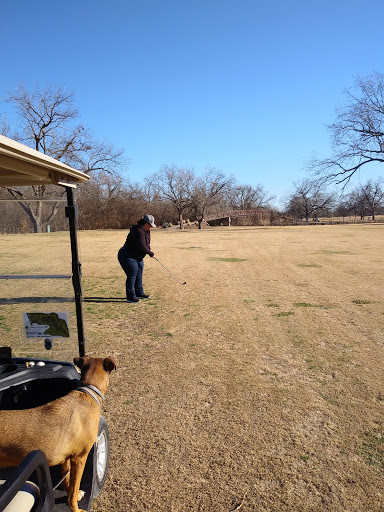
column 178, row 280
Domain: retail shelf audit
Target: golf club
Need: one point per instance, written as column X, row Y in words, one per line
column 185, row 282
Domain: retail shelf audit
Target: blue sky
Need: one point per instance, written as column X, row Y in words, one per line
column 246, row 86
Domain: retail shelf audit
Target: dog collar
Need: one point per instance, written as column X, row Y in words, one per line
column 93, row 392
column 96, row 390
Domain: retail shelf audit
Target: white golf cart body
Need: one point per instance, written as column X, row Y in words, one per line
column 27, row 382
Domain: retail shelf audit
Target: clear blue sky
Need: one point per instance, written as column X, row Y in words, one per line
column 246, row 86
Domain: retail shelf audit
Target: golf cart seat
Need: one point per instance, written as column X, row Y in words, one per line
column 27, row 383
column 25, row 499
column 18, row 493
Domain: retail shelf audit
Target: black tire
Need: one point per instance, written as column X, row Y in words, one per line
column 100, row 458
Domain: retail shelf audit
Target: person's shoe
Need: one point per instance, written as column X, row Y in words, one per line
column 133, row 301
column 144, row 296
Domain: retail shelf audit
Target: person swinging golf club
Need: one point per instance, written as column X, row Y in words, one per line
column 131, row 257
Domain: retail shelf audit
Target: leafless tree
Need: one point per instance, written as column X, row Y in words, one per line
column 309, row 199
column 162, row 209
column 174, row 184
column 48, row 124
column 357, row 135
column 373, row 193
column 246, row 197
column 355, row 203
column 365, row 199
column 4, row 126
column 208, row 192
column 99, row 201
column 343, row 208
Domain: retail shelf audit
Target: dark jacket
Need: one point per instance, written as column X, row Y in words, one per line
column 138, row 243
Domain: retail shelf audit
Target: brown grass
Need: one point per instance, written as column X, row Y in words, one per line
column 257, row 386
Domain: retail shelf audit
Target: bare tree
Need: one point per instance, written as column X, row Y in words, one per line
column 365, row 199
column 4, row 126
column 246, row 197
column 99, row 202
column 356, row 203
column 309, row 199
column 174, row 184
column 208, row 192
column 343, row 208
column 357, row 135
column 47, row 123
column 162, row 209
column 373, row 193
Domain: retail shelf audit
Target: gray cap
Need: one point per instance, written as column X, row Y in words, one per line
column 150, row 219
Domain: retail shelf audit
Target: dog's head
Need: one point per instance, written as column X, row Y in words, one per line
column 95, row 370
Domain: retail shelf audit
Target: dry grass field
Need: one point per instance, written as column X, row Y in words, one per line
column 257, row 386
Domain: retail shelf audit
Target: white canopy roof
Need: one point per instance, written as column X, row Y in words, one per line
column 21, row 165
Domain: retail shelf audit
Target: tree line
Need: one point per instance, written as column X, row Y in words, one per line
column 310, row 201
column 173, row 195
column 48, row 122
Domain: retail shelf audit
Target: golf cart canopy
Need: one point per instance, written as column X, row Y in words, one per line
column 21, row 165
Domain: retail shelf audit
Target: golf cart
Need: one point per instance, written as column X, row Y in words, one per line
column 28, row 378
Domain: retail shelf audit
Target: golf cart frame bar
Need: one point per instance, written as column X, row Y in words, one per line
column 23, row 166
column 71, row 213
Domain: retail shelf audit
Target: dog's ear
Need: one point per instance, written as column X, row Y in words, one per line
column 109, row 364
column 80, row 361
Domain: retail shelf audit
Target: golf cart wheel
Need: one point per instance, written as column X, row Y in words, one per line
column 101, row 458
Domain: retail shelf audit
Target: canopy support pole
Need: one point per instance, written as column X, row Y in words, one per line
column 71, row 213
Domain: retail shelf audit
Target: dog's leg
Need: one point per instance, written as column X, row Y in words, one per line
column 77, row 469
column 65, row 468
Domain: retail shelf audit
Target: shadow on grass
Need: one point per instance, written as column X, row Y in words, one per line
column 104, row 299
column 36, row 300
column 55, row 300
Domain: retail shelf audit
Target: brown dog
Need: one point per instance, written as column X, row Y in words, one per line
column 64, row 429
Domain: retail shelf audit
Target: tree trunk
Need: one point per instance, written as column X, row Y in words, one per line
column 181, row 224
column 37, row 227
column 35, row 217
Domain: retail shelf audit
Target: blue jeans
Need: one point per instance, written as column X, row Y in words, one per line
column 134, row 271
